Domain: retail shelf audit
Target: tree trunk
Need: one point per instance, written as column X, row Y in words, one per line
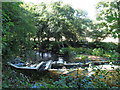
column 62, row 44
column 118, row 48
column 118, row 4
column 39, row 43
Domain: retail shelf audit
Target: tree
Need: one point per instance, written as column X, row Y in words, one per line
column 18, row 28
column 109, row 15
column 56, row 20
column 99, row 32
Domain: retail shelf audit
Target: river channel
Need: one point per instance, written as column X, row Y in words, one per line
column 45, row 76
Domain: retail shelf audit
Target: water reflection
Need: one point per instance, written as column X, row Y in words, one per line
column 48, row 55
column 44, row 54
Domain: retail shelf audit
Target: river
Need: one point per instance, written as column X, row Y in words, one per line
column 88, row 71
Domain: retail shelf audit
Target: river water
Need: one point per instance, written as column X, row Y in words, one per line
column 39, row 77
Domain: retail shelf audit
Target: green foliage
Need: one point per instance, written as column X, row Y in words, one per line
column 82, row 57
column 104, row 45
column 58, row 22
column 18, row 27
column 114, row 55
column 88, row 51
column 98, row 52
column 108, row 13
column 24, row 22
column 39, row 23
column 97, row 80
column 68, row 53
column 64, row 51
column 65, row 82
column 9, row 80
column 98, row 33
column 73, row 50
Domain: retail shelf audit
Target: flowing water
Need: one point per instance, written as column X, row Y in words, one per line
column 45, row 76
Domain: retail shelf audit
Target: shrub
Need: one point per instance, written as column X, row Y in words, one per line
column 88, row 51
column 100, row 79
column 12, row 79
column 98, row 52
column 104, row 45
column 114, row 55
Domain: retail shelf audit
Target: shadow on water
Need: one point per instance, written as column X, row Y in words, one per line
column 45, row 76
column 36, row 75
